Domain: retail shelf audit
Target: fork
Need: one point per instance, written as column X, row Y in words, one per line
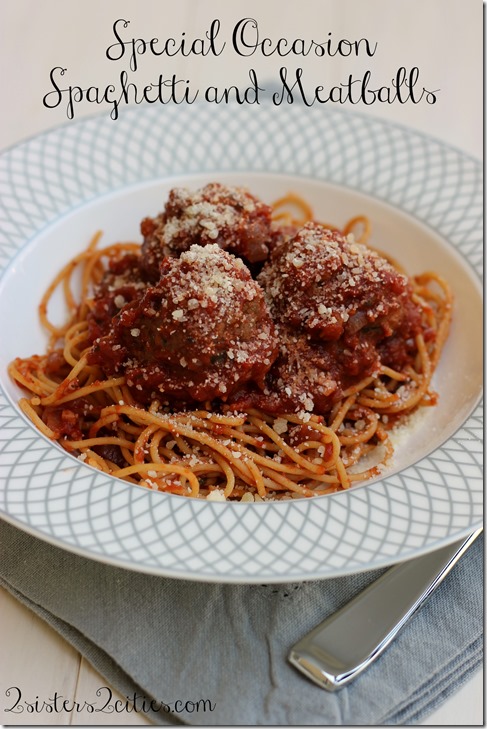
column 346, row 643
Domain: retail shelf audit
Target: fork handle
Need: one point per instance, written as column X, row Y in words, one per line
column 347, row 642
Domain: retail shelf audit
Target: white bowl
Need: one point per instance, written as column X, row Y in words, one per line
column 66, row 185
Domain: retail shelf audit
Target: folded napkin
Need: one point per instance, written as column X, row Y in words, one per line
column 174, row 640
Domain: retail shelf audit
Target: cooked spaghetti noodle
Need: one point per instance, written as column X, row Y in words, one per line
column 220, row 450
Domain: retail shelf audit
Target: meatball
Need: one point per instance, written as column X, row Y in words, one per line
column 330, row 287
column 228, row 216
column 302, row 379
column 119, row 285
column 310, row 376
column 197, row 335
column 342, row 311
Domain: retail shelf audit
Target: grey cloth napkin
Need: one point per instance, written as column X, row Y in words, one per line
column 173, row 640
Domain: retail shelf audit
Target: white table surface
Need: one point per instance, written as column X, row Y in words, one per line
column 442, row 37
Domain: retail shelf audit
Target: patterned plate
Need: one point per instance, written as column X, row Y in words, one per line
column 409, row 182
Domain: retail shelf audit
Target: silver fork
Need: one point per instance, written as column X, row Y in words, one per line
column 347, row 642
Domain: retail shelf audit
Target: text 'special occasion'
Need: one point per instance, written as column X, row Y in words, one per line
column 246, row 40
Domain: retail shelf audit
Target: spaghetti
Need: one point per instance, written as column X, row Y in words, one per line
column 255, row 444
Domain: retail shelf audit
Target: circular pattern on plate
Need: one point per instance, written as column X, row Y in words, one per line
column 436, row 500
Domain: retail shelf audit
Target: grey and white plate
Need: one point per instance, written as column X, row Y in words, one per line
column 425, row 203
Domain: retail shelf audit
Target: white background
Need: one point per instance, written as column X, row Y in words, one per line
column 443, row 38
